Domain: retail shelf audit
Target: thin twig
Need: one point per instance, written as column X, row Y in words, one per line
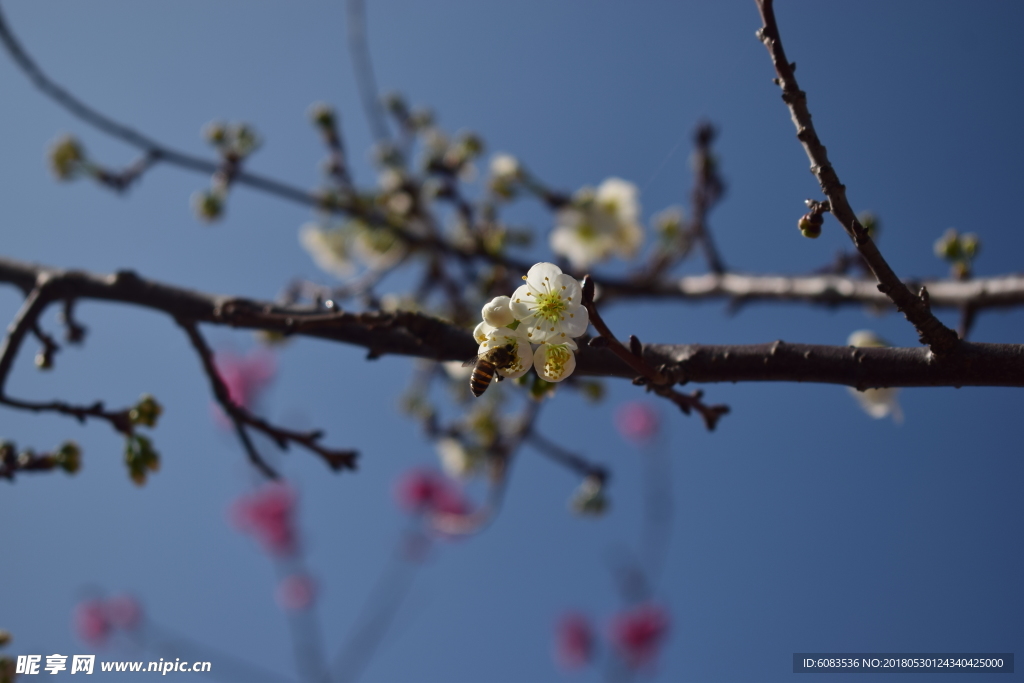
column 362, row 64
column 915, row 307
column 566, row 458
column 241, row 417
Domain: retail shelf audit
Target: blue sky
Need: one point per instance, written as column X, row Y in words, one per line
column 801, row 525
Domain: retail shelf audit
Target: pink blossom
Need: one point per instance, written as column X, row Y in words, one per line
column 246, row 376
column 91, row 623
column 123, row 612
column 96, row 619
column 637, row 421
column 296, row 592
column 637, row 633
column 574, row 641
column 426, row 491
column 268, row 514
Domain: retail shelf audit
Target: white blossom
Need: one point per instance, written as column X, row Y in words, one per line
column 599, row 224
column 329, row 248
column 456, row 460
column 550, row 305
column 521, row 349
column 555, row 361
column 497, row 313
column 881, row 402
column 505, row 168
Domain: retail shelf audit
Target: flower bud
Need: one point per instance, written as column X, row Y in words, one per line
column 948, row 246
column 497, row 312
column 5, row 637
column 589, row 498
column 44, row 360
column 322, row 115
column 146, row 411
column 209, row 206
column 69, row 457
column 66, row 157
column 216, row 133
column 810, row 225
column 970, row 244
column 140, row 457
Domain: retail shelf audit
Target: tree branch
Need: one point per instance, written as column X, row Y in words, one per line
column 915, row 307
column 413, row 334
column 242, row 418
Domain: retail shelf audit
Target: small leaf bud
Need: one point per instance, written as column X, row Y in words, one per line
column 146, row 411
column 322, row 115
column 589, row 498
column 69, row 457
column 948, row 246
column 66, row 157
column 810, row 225
column 209, row 206
column 44, row 359
column 5, row 637
column 216, row 133
column 970, row 245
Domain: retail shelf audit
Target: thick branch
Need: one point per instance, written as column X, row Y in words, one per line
column 412, row 334
column 914, row 306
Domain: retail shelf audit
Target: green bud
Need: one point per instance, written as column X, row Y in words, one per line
column 810, row 225
column 44, row 360
column 69, row 457
column 471, row 143
column 396, row 105
column 209, row 206
column 970, row 244
column 948, row 246
column 589, row 498
column 66, row 157
column 244, row 139
column 146, row 411
column 216, row 133
column 140, row 457
column 421, row 118
column 322, row 115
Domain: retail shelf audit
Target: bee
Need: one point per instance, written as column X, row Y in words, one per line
column 485, row 365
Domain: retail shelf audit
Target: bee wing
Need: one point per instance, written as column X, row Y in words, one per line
column 471, row 362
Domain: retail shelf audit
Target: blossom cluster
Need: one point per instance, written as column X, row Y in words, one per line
column 269, row 514
column 635, row 634
column 537, row 324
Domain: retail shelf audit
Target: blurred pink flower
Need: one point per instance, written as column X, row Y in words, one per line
column 296, row 592
column 91, row 624
column 268, row 514
column 96, row 619
column 637, row 633
column 426, row 491
column 574, row 641
column 637, row 421
column 245, row 376
column 123, row 612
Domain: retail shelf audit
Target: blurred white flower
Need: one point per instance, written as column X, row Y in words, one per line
column 456, row 460
column 599, row 224
column 550, row 305
column 881, row 402
column 505, row 167
column 329, row 248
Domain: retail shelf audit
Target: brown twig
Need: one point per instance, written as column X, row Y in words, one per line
column 242, row 417
column 647, row 373
column 932, row 332
column 566, row 458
